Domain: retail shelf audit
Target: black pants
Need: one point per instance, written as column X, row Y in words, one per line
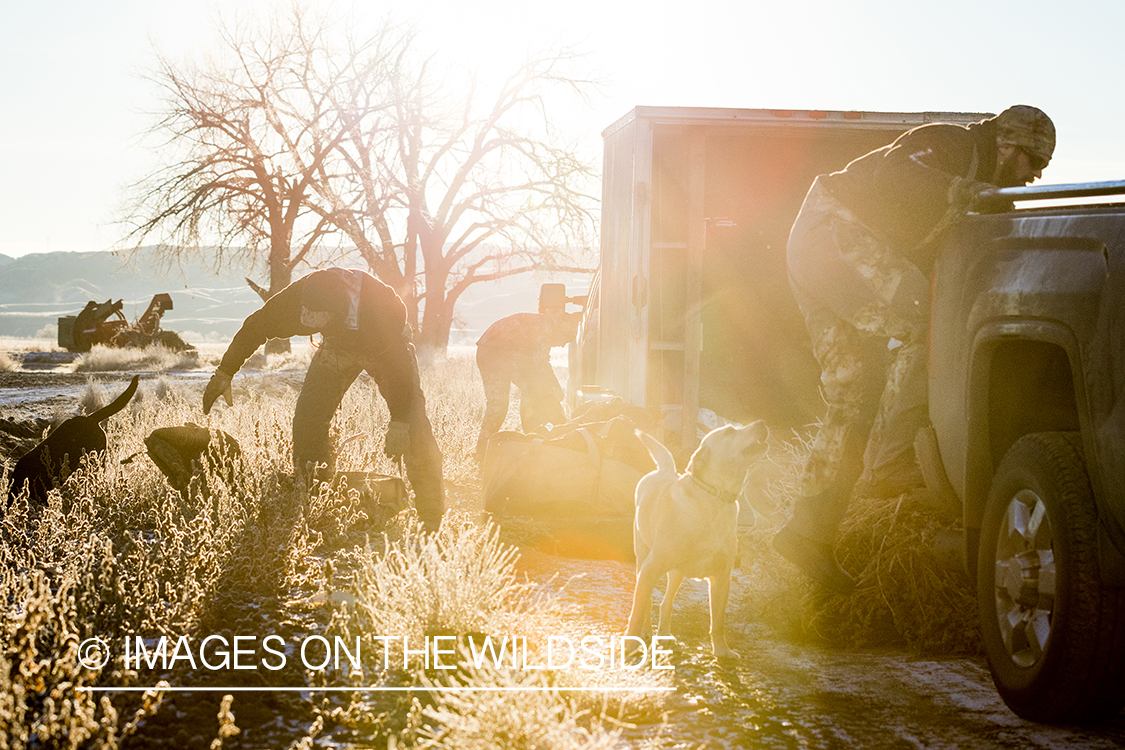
column 331, row 373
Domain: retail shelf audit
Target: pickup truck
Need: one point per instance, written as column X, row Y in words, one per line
column 1027, row 406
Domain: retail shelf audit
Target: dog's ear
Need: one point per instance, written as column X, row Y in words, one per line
column 759, row 430
column 755, row 435
column 701, row 458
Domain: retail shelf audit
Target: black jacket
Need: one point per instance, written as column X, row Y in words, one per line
column 379, row 337
column 901, row 191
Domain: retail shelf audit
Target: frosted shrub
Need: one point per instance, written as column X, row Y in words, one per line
column 459, row 581
column 149, row 359
column 116, row 550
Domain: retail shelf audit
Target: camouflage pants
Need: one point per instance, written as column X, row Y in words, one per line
column 540, row 393
column 865, row 310
column 332, row 371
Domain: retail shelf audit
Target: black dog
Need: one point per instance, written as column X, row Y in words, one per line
column 67, row 443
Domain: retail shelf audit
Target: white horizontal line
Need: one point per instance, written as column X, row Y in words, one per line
column 492, row 689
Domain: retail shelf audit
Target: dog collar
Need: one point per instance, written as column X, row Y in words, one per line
column 725, row 496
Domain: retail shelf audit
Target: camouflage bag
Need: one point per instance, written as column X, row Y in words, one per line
column 578, row 481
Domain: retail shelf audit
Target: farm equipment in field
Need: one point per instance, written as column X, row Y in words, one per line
column 104, row 323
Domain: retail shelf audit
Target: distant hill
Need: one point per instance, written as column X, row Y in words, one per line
column 37, row 289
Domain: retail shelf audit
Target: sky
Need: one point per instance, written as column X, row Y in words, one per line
column 75, row 102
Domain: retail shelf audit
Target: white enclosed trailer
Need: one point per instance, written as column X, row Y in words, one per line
column 691, row 312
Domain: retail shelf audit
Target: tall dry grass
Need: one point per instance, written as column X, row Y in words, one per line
column 458, row 585
column 147, row 359
column 116, row 551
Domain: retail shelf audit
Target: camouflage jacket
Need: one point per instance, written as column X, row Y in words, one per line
column 901, row 191
column 525, row 338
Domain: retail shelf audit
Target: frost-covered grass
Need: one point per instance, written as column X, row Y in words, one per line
column 460, row 585
column 117, row 551
column 149, row 359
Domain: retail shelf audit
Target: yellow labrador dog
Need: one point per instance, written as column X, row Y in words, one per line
column 686, row 525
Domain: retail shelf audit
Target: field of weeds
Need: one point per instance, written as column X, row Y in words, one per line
column 117, row 555
column 276, row 606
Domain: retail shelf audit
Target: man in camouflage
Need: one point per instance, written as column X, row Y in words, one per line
column 363, row 322
column 517, row 350
column 858, row 257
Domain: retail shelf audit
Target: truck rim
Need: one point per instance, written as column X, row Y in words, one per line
column 1025, row 578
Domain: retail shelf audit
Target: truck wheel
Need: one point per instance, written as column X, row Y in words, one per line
column 1054, row 636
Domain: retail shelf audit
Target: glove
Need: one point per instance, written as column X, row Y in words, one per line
column 963, row 191
column 973, row 195
column 219, row 385
column 397, row 442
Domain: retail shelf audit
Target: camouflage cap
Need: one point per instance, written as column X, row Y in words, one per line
column 1026, row 127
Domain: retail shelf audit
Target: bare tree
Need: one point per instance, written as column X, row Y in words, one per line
column 245, row 140
column 307, row 144
column 466, row 188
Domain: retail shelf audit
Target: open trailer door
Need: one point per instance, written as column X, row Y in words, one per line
column 695, row 312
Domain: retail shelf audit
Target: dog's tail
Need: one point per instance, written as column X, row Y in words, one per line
column 665, row 461
column 118, row 403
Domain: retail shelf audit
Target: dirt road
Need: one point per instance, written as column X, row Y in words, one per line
column 781, row 694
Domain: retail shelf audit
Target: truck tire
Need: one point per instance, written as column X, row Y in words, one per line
column 1054, row 636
